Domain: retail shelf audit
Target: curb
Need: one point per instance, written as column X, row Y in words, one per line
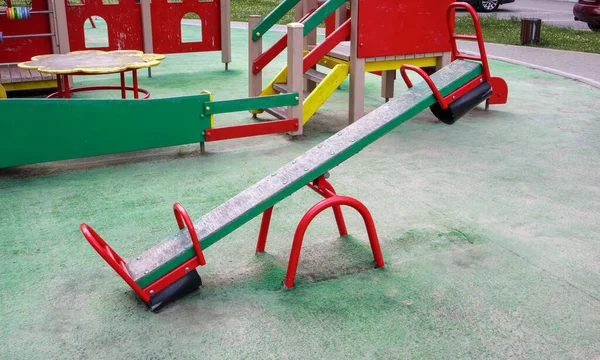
column 582, row 79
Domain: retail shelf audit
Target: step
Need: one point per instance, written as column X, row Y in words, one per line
column 340, row 52
column 282, row 88
column 279, row 112
column 315, row 75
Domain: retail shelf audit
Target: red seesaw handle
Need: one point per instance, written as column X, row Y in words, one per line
column 183, row 220
column 112, row 258
column 436, row 92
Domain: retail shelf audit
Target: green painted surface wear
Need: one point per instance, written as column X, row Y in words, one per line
column 273, row 17
column 417, row 106
column 35, row 131
column 489, row 230
column 321, row 14
column 255, row 103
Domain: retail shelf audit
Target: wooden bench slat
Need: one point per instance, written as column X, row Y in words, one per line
column 15, row 74
column 5, row 74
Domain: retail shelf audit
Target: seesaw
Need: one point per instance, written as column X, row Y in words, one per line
column 167, row 271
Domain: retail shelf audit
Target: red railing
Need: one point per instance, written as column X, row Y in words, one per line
column 450, row 18
column 183, row 220
column 333, row 40
column 112, row 258
column 265, row 58
column 499, row 86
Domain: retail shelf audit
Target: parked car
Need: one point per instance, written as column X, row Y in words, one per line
column 487, row 5
column 588, row 11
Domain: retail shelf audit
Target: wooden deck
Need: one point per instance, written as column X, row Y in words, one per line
column 14, row 78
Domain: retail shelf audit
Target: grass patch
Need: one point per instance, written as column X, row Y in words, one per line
column 507, row 31
column 241, row 9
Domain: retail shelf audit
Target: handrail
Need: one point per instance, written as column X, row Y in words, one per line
column 450, row 18
column 327, row 45
column 310, row 21
column 112, row 258
column 436, row 92
column 274, row 16
column 183, row 221
column 265, row 58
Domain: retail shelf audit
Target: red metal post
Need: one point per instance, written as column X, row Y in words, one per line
column 316, row 210
column 264, row 231
column 59, row 85
column 136, row 94
column 123, row 89
column 67, row 89
column 324, row 188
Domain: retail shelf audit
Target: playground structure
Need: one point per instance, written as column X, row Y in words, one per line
column 149, row 130
column 57, row 27
column 167, row 271
column 358, row 40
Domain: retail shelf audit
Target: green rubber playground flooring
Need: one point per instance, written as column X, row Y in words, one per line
column 489, row 229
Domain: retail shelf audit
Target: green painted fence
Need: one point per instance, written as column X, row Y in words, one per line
column 254, row 103
column 41, row 130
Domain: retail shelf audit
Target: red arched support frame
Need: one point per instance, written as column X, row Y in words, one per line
column 316, row 210
column 322, row 187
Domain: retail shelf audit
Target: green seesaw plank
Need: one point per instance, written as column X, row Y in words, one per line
column 164, row 257
column 274, row 16
column 41, row 130
column 255, row 103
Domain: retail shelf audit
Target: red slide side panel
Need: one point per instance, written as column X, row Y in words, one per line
column 400, row 27
column 166, row 25
column 18, row 50
column 123, row 20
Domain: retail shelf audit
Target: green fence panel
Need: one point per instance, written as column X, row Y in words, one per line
column 41, row 130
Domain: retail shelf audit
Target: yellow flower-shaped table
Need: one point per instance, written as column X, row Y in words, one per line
column 94, row 62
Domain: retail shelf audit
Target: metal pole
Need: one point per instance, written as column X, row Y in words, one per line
column 27, row 36
column 34, row 12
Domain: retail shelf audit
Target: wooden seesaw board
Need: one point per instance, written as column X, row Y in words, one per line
column 164, row 257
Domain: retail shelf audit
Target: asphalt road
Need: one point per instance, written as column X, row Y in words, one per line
column 550, row 11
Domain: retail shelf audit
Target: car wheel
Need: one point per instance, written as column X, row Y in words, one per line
column 488, row 5
column 594, row 27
